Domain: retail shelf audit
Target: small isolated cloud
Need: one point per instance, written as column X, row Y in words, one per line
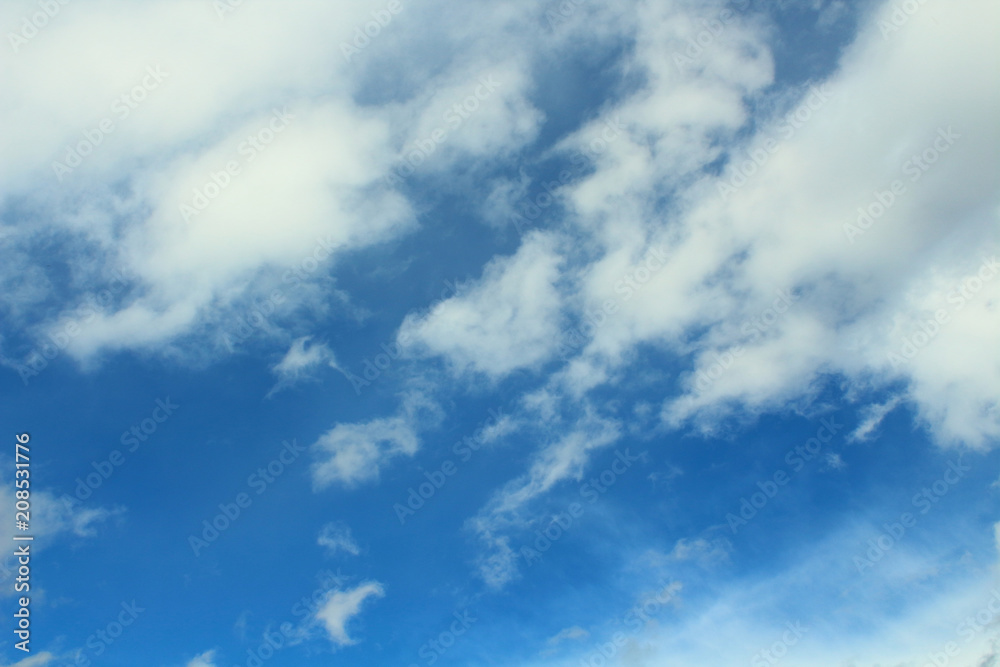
column 341, row 606
column 872, row 417
column 664, row 476
column 82, row 522
column 356, row 452
column 53, row 518
column 57, row 515
column 240, row 627
column 300, row 361
column 206, row 659
column 700, row 551
column 40, row 660
column 336, row 536
column 575, row 633
column 353, row 453
column 834, row 461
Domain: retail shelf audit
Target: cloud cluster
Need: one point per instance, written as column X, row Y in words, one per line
column 211, row 154
column 775, row 274
column 843, row 228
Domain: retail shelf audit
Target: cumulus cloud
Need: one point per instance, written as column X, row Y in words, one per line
column 772, row 279
column 858, row 304
column 340, row 607
column 767, row 273
column 750, row 247
column 226, row 183
column 478, row 109
column 229, row 171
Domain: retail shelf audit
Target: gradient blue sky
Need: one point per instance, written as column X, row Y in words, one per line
column 515, row 333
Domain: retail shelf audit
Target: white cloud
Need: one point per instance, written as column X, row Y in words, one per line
column 703, row 552
column 504, row 514
column 266, row 71
column 325, row 200
column 350, row 454
column 51, row 519
column 872, row 416
column 781, row 229
column 480, row 109
column 575, row 633
column 509, row 320
column 300, row 361
column 40, row 660
column 341, row 606
column 337, row 537
column 758, row 285
column 206, row 659
column 355, row 452
column 840, row 614
column 56, row 517
column 834, row 461
column 302, row 356
column 564, row 459
column 221, row 87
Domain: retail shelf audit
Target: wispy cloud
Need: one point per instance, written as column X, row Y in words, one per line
column 505, row 513
column 872, row 417
column 336, row 537
column 575, row 633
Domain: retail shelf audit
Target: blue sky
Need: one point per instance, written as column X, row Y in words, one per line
column 508, row 333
